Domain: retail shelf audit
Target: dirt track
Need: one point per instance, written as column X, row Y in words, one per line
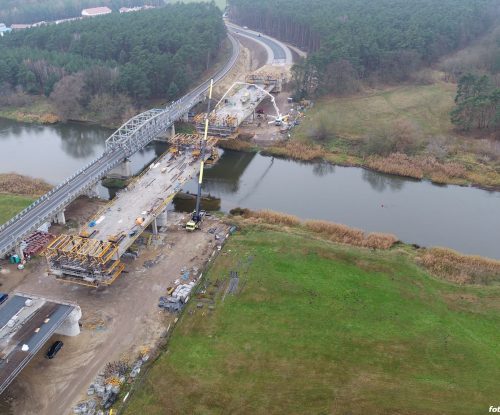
column 116, row 320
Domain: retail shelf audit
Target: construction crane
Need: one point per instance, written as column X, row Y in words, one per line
column 198, row 215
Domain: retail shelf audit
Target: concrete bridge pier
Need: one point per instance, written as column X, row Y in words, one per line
column 93, row 192
column 123, row 170
column 19, row 252
column 60, row 218
column 167, row 135
column 70, row 326
column 159, row 222
column 161, row 219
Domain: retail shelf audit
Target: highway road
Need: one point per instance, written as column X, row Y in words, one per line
column 45, row 208
column 277, row 52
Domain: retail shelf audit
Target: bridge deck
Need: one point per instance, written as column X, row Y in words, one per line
column 34, row 327
column 145, row 198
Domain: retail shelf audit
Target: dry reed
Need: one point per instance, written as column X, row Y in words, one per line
column 298, row 151
column 417, row 167
column 275, row 218
column 22, row 185
column 462, row 269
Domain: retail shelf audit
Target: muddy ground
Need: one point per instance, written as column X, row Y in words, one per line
column 116, row 321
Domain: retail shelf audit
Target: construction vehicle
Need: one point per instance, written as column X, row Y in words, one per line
column 198, row 215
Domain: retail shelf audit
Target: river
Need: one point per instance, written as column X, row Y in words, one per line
column 465, row 219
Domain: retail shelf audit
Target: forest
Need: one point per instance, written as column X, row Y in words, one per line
column 32, row 11
column 114, row 60
column 354, row 40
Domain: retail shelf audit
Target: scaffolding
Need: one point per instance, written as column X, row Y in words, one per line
column 87, row 261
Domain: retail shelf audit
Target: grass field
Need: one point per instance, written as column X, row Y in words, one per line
column 404, row 130
column 12, row 204
column 425, row 106
column 318, row 328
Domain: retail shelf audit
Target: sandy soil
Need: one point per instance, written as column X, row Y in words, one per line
column 117, row 321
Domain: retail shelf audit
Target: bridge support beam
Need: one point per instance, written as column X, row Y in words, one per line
column 70, row 326
column 154, row 225
column 123, row 170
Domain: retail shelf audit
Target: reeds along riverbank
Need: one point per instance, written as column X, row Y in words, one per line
column 440, row 262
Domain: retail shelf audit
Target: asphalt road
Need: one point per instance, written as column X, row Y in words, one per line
column 12, row 233
column 279, row 51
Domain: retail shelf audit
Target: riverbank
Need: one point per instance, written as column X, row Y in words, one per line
column 312, row 324
column 403, row 131
column 18, row 192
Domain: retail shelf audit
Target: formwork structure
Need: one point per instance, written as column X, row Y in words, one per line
column 237, row 104
column 93, row 257
column 83, row 258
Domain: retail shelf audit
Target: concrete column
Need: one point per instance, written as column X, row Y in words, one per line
column 172, row 131
column 92, row 192
column 19, row 252
column 123, row 170
column 60, row 218
column 185, row 117
column 70, row 326
column 154, row 225
column 161, row 219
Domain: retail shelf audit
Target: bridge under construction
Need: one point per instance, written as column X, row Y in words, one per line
column 241, row 100
column 93, row 256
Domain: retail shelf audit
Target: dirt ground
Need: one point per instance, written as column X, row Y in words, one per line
column 262, row 128
column 116, row 321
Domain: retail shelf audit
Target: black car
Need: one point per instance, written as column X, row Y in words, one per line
column 51, row 353
column 3, row 297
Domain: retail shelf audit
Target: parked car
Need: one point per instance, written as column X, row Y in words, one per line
column 3, row 297
column 51, row 353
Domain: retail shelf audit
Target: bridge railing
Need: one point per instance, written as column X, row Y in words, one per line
column 48, row 194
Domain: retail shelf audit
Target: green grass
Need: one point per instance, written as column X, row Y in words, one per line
column 324, row 329
column 425, row 106
column 12, row 204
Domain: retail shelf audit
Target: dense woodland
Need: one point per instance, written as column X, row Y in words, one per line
column 108, row 63
column 32, row 11
column 353, row 40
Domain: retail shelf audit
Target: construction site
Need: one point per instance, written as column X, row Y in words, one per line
column 241, row 100
column 93, row 256
column 132, row 265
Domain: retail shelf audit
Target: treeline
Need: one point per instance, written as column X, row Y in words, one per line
column 33, row 11
column 477, row 103
column 113, row 59
column 352, row 40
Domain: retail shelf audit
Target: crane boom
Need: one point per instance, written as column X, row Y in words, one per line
column 197, row 214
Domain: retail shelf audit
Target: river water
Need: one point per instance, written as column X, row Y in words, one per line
column 466, row 219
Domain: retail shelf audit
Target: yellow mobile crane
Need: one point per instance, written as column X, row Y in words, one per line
column 198, row 215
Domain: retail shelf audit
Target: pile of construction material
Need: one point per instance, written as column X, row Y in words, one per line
column 36, row 242
column 104, row 389
column 179, row 297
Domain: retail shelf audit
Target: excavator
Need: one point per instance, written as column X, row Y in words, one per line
column 198, row 215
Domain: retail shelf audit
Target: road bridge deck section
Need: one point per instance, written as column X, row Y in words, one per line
column 93, row 257
column 26, row 324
